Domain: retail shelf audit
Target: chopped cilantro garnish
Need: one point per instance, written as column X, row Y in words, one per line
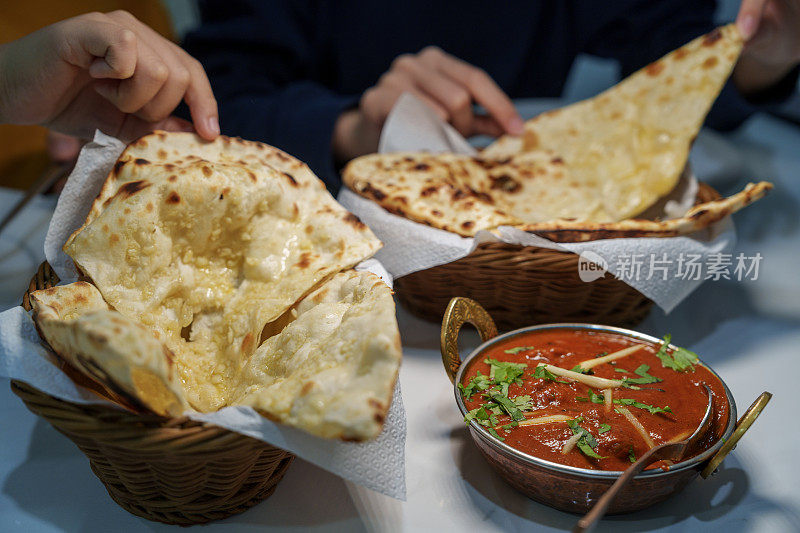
column 631, row 456
column 593, row 397
column 587, row 450
column 484, row 417
column 621, row 370
column 494, row 388
column 523, row 402
column 516, row 349
column 645, row 377
column 504, row 371
column 580, row 370
column 601, row 354
column 640, row 405
column 599, row 398
column 541, row 372
column 586, row 443
column 604, row 428
column 680, row 360
column 476, row 384
column 506, row 405
column 494, row 433
column 479, row 414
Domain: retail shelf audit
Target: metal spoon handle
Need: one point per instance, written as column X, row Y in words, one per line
column 669, row 450
column 590, row 520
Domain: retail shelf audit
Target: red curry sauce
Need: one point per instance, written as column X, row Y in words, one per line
column 681, row 391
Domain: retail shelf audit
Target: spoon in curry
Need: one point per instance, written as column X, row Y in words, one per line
column 673, row 451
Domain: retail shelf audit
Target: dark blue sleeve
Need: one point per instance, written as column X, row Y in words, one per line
column 639, row 32
column 254, row 53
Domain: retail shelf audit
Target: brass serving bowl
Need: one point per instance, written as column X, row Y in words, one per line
column 565, row 487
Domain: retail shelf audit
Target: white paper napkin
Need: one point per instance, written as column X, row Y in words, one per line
column 378, row 465
column 641, row 262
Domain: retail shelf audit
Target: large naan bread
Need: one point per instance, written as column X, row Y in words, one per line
column 111, row 349
column 599, row 161
column 630, row 143
column 331, row 370
column 206, row 251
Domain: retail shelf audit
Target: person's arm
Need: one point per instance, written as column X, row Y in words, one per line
column 102, row 71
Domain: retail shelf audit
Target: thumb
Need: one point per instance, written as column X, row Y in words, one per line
column 749, row 17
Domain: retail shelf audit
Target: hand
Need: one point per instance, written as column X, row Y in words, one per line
column 103, row 71
column 63, row 148
column 447, row 84
column 771, row 29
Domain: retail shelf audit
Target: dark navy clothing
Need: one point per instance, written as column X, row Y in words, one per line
column 283, row 70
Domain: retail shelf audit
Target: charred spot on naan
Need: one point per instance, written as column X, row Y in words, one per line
column 353, row 220
column 505, row 183
column 128, row 189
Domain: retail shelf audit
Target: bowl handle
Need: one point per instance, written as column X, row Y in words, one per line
column 459, row 311
column 742, row 425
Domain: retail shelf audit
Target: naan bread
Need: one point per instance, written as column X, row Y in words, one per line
column 329, row 367
column 109, row 348
column 179, row 149
column 433, row 189
column 331, row 370
column 206, row 251
column 698, row 217
column 465, row 194
column 629, row 144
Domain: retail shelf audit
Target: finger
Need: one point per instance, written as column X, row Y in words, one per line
column 175, row 124
column 378, row 101
column 196, row 88
column 62, row 148
column 455, row 99
column 173, row 89
column 171, row 92
column 482, row 88
column 105, row 48
column 486, row 125
column 133, row 127
column 749, row 17
column 168, row 97
column 200, row 99
column 131, row 94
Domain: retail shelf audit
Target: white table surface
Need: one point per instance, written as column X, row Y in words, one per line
column 749, row 332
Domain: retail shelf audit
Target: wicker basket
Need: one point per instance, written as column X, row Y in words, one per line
column 176, row 471
column 524, row 285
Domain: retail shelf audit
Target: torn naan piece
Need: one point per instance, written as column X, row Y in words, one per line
column 699, row 217
column 205, row 253
column 109, row 348
column 331, row 370
column 629, row 144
